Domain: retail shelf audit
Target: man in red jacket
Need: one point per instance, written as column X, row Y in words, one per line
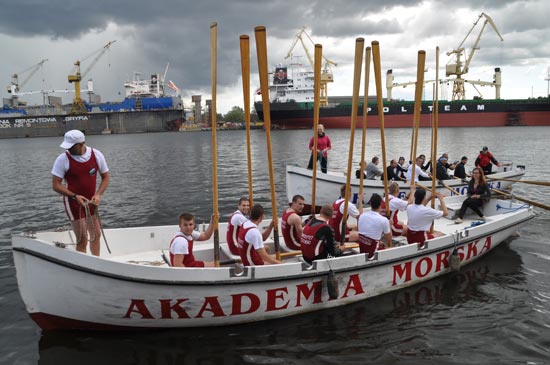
column 484, row 161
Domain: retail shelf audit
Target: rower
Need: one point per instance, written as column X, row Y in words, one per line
column 251, row 240
column 338, row 213
column 372, row 227
column 420, row 217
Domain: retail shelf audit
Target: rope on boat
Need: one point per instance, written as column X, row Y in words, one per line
column 454, row 261
column 332, row 282
column 511, row 210
column 88, row 222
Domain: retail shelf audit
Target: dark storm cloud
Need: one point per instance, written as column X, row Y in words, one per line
column 178, row 31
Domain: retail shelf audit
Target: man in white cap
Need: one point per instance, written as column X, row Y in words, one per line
column 78, row 167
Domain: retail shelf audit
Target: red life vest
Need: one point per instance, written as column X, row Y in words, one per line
column 292, row 240
column 249, row 256
column 81, row 179
column 232, row 234
column 189, row 259
column 336, row 220
column 311, row 246
column 485, row 159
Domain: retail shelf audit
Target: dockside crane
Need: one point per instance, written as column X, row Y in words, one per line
column 326, row 71
column 15, row 86
column 458, row 68
column 78, row 105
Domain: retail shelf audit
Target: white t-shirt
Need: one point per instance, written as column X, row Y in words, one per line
column 180, row 245
column 238, row 218
column 373, row 225
column 420, row 217
column 397, row 204
column 61, row 164
column 253, row 236
column 352, row 209
column 418, row 172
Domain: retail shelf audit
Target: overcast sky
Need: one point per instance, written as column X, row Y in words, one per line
column 151, row 34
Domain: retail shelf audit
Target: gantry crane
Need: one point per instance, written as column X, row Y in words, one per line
column 460, row 68
column 78, row 105
column 15, row 86
column 326, row 71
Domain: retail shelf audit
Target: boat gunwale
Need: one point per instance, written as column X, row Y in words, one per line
column 306, row 273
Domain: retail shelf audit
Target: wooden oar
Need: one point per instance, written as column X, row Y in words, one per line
column 359, row 43
column 364, row 134
column 213, row 72
column 245, row 66
column 528, row 201
column 417, row 107
column 316, row 104
column 378, row 80
column 541, row 183
column 435, row 121
column 447, row 187
column 261, row 51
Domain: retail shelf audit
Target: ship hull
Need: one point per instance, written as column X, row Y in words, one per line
column 494, row 113
column 92, row 123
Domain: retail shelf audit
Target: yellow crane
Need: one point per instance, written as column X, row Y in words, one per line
column 78, row 105
column 326, row 71
column 457, row 67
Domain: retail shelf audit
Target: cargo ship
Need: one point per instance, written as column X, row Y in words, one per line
column 145, row 108
column 291, row 107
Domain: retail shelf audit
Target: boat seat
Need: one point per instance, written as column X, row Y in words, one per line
column 453, row 210
column 224, row 249
column 399, row 241
column 283, row 247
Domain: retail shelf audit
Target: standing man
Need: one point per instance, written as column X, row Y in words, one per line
column 484, row 161
column 235, row 221
column 372, row 227
column 251, row 240
column 317, row 241
column 79, row 166
column 323, row 146
column 181, row 246
column 460, row 170
column 291, row 223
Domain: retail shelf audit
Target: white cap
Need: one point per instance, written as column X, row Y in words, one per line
column 71, row 138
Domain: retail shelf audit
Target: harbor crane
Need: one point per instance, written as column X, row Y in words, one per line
column 78, row 105
column 15, row 86
column 326, row 71
column 458, row 68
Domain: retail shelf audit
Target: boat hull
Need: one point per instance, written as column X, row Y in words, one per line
column 64, row 289
column 487, row 113
column 94, row 123
column 298, row 182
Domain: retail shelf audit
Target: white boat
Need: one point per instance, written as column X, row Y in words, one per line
column 132, row 287
column 298, row 181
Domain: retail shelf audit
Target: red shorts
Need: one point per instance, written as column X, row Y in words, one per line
column 396, row 229
column 195, row 264
column 75, row 211
column 367, row 245
column 418, row 236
